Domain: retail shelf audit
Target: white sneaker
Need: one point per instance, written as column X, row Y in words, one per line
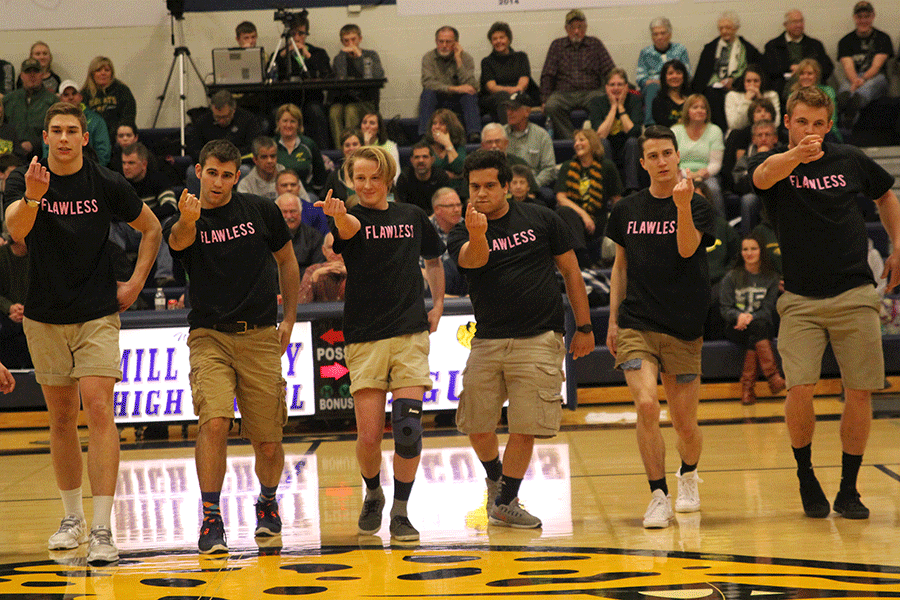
column 659, row 514
column 493, row 489
column 70, row 535
column 101, row 548
column 512, row 515
column 688, row 494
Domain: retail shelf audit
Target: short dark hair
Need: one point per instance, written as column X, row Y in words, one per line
column 760, row 102
column 287, row 171
column 130, row 125
column 349, row 133
column 222, row 150
column 244, row 27
column 221, row 99
column 350, row 28
column 137, row 148
column 488, row 159
column 499, row 26
column 10, row 160
column 65, row 108
column 519, row 171
column 260, row 142
column 423, row 143
column 657, row 132
column 449, row 28
column 302, row 20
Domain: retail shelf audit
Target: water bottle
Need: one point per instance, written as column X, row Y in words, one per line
column 549, row 127
column 367, row 67
column 159, row 301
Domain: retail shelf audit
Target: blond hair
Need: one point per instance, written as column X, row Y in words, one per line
column 96, row 65
column 387, row 166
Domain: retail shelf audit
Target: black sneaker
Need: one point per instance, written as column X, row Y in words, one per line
column 402, row 530
column 815, row 504
column 848, row 505
column 370, row 515
column 268, row 523
column 212, row 536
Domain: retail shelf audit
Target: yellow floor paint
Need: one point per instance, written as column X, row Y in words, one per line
column 749, row 542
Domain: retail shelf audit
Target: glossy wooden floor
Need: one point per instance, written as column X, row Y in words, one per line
column 750, row 539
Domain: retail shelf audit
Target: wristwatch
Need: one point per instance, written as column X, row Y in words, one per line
column 586, row 328
column 30, row 202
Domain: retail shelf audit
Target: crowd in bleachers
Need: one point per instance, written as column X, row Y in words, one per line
column 572, row 134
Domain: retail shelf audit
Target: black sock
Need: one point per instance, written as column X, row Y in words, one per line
column 803, row 456
column 372, row 482
column 210, row 503
column 686, row 468
column 493, row 468
column 850, row 464
column 509, row 489
column 402, row 489
column 659, row 484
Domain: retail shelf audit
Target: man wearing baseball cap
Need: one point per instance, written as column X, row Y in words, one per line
column 863, row 54
column 25, row 107
column 98, row 134
column 574, row 73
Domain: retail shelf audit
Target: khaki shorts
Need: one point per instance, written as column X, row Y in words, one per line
column 63, row 354
column 671, row 355
column 527, row 371
column 390, row 364
column 243, row 365
column 849, row 321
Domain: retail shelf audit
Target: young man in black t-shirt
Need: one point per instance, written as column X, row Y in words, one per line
column 863, row 54
column 810, row 192
column 658, row 300
column 62, row 208
column 385, row 326
column 508, row 252
column 226, row 241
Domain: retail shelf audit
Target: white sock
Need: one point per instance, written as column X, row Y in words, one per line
column 72, row 502
column 102, row 511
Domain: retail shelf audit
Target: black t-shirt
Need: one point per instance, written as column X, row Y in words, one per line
column 242, row 130
column 385, row 291
column 665, row 292
column 412, row 191
column 70, row 263
column 516, row 294
column 863, row 49
column 233, row 275
column 820, row 229
column 504, row 69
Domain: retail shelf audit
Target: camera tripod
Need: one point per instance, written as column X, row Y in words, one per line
column 178, row 58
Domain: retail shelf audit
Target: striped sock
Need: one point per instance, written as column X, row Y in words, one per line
column 210, row 503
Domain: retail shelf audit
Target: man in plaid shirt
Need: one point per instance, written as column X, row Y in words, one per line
column 574, row 73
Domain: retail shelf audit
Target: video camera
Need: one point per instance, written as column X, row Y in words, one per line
column 289, row 18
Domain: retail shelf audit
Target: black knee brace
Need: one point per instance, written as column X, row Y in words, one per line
column 406, row 421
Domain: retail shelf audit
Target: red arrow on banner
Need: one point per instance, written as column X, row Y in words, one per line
column 335, row 371
column 331, row 336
